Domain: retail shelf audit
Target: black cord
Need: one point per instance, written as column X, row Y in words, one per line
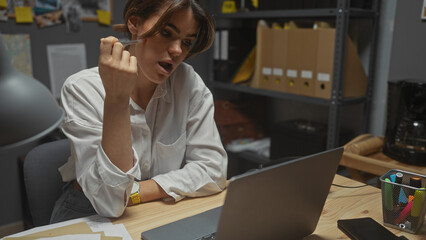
column 337, row 185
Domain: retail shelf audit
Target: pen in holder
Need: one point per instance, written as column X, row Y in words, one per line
column 403, row 199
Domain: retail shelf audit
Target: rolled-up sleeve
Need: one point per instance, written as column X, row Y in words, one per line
column 102, row 182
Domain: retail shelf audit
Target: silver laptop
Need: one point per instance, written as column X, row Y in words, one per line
column 282, row 201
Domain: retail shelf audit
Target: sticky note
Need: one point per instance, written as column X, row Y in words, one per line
column 23, row 15
column 3, row 3
column 104, row 17
column 229, row 7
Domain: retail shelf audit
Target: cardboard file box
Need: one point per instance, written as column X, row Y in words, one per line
column 308, row 51
column 355, row 79
column 270, row 65
column 294, row 61
column 300, row 61
column 263, row 63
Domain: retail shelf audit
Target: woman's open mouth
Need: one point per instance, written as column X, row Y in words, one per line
column 167, row 67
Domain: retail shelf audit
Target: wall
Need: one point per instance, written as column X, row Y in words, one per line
column 90, row 33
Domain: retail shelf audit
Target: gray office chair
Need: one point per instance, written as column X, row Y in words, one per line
column 43, row 182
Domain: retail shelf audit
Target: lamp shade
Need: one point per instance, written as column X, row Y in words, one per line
column 28, row 111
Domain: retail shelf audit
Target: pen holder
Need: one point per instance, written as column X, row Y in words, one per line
column 403, row 199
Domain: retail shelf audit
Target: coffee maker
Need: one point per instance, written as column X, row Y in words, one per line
column 405, row 138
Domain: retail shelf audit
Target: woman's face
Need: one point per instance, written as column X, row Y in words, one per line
column 159, row 56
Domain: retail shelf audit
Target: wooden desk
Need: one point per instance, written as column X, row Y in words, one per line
column 341, row 203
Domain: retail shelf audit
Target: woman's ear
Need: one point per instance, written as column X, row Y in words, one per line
column 132, row 24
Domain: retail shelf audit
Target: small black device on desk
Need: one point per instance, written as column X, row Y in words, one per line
column 365, row 229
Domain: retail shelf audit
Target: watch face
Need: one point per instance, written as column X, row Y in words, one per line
column 135, row 187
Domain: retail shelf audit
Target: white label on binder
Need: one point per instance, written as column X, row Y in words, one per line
column 325, row 77
column 277, row 71
column 292, row 73
column 266, row 71
column 306, row 74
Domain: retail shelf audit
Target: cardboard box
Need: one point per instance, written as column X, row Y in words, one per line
column 270, row 64
column 355, row 79
column 264, row 49
column 279, row 63
column 294, row 60
column 308, row 50
column 300, row 61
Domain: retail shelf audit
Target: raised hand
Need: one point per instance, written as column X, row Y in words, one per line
column 117, row 68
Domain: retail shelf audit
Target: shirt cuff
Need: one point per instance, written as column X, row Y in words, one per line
column 163, row 184
column 111, row 174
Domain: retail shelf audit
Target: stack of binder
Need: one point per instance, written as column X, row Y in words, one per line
column 300, row 61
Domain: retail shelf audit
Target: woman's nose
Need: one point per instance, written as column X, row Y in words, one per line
column 175, row 48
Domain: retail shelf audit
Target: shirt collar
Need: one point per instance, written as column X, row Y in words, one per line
column 163, row 91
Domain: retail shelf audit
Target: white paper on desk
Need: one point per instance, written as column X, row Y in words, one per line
column 117, row 230
column 64, row 60
column 74, row 237
column 100, row 222
column 48, row 227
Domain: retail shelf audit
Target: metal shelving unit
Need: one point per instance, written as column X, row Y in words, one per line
column 342, row 15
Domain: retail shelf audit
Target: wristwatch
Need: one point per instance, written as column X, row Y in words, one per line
column 134, row 194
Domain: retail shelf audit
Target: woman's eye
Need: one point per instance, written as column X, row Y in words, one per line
column 165, row 33
column 187, row 43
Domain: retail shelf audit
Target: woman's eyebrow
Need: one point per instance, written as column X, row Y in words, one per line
column 178, row 31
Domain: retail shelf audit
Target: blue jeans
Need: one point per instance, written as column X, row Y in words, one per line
column 72, row 204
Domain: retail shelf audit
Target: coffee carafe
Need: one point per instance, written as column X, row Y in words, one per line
column 405, row 138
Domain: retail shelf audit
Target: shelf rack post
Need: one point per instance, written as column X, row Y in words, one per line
column 342, row 22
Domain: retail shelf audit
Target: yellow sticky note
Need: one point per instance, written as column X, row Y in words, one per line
column 3, row 3
column 104, row 17
column 23, row 15
column 229, row 7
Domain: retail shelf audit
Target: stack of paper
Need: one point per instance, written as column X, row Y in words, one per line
column 93, row 227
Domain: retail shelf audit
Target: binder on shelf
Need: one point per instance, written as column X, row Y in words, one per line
column 308, row 50
column 293, row 66
column 279, row 60
column 325, row 62
column 220, row 56
column 301, row 60
column 264, row 50
column 355, row 79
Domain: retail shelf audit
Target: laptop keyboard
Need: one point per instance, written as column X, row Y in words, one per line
column 211, row 236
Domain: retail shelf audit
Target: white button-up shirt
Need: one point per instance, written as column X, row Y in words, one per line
column 175, row 141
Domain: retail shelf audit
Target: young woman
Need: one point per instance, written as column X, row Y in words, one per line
column 142, row 119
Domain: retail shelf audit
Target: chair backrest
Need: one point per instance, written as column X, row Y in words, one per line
column 43, row 182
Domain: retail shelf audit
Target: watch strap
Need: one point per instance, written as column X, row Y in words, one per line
column 134, row 195
column 136, row 199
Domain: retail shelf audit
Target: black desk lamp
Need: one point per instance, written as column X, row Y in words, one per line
column 28, row 111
